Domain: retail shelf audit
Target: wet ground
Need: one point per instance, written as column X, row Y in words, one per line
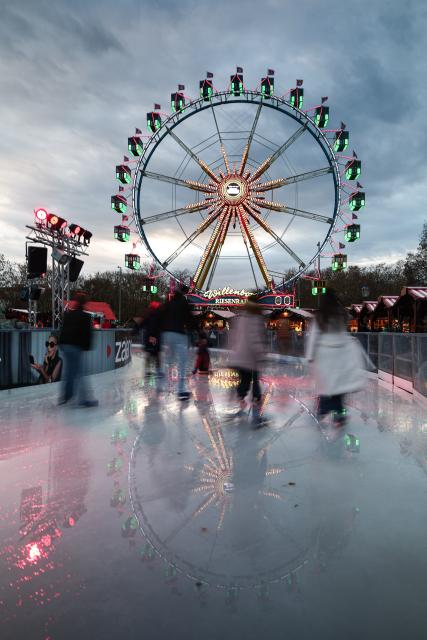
column 151, row 518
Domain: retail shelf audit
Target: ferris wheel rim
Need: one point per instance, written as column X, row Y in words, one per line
column 222, row 98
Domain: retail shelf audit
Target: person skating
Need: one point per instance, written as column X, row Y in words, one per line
column 151, row 334
column 75, row 338
column 177, row 322
column 203, row 359
column 248, row 340
column 338, row 360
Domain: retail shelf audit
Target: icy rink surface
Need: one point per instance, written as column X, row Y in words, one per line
column 151, row 518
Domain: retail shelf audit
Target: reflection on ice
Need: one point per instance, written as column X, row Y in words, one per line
column 187, row 501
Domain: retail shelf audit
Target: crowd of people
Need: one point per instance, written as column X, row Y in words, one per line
column 335, row 359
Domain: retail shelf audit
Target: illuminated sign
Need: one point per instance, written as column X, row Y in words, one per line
column 228, row 297
column 227, row 291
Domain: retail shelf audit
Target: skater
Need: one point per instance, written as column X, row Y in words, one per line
column 151, row 336
column 339, row 362
column 203, row 359
column 248, row 340
column 75, row 337
column 177, row 322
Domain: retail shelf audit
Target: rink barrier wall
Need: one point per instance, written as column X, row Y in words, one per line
column 399, row 359
column 110, row 349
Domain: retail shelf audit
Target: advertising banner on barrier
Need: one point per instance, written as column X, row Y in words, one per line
column 227, row 297
column 123, row 351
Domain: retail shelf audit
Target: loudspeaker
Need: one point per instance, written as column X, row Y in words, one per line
column 75, row 268
column 37, row 261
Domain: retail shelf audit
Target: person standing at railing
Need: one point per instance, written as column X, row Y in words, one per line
column 338, row 360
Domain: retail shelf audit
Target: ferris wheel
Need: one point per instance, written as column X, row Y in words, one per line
column 239, row 186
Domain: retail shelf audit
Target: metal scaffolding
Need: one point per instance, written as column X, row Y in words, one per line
column 64, row 247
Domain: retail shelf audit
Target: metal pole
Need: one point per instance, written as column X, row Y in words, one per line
column 120, row 294
column 318, row 271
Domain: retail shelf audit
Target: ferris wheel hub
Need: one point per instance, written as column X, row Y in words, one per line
column 233, row 190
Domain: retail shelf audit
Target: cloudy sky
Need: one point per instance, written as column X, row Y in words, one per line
column 78, row 77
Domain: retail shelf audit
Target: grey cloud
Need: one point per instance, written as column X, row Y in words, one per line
column 80, row 77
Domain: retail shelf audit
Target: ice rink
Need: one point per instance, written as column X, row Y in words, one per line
column 149, row 518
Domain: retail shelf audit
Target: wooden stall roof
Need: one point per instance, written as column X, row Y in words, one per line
column 356, row 308
column 387, row 301
column 369, row 305
column 418, row 293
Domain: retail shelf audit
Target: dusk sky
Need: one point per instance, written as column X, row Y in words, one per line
column 78, row 77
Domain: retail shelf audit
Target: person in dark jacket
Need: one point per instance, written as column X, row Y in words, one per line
column 176, row 322
column 151, row 334
column 74, row 338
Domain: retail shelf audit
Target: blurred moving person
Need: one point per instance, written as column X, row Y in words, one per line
column 177, row 322
column 248, row 346
column 339, row 362
column 203, row 359
column 74, row 338
column 151, row 336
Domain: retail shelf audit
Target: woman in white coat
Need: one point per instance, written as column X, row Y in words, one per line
column 338, row 361
column 248, row 346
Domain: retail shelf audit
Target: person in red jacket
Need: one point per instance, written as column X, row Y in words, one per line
column 203, row 360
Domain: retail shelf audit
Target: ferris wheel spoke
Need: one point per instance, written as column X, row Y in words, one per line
column 198, row 276
column 249, row 142
column 281, row 182
column 205, row 167
column 190, row 208
column 280, row 151
column 202, row 227
column 262, row 223
column 190, row 184
column 221, row 241
column 246, row 232
column 213, row 255
column 221, row 142
column 276, row 206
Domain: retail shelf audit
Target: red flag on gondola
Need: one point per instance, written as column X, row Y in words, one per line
column 358, row 185
column 299, row 83
column 157, row 107
column 270, row 72
column 239, row 69
column 354, row 154
column 125, row 218
column 354, row 216
column 343, row 125
column 138, row 131
column 341, row 245
column 181, row 87
column 209, row 74
column 125, row 159
column 121, row 188
column 324, row 99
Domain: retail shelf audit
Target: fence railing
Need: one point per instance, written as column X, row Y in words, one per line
column 398, row 358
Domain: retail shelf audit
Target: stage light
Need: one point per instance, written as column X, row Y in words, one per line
column 75, row 229
column 41, row 216
column 56, row 223
column 86, row 237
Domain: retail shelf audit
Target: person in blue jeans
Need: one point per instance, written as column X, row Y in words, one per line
column 74, row 338
column 177, row 322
